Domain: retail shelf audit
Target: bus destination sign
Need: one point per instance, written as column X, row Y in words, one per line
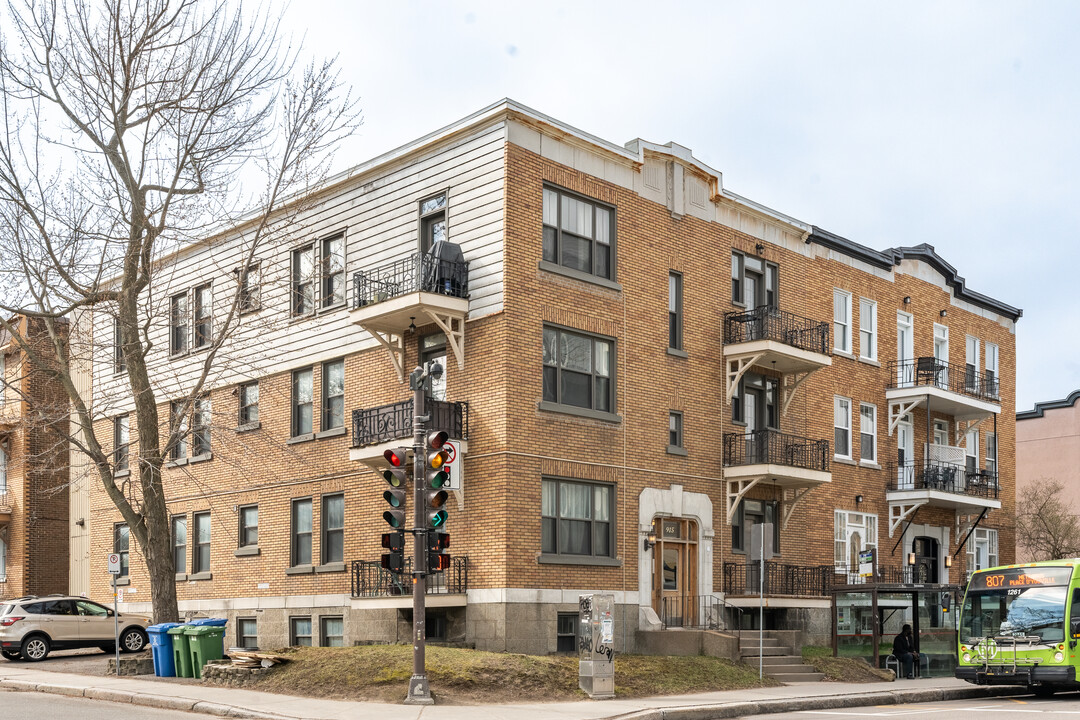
column 1021, row 577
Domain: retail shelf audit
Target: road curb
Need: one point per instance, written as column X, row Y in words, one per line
column 721, row 711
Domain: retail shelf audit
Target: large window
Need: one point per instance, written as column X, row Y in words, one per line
column 301, row 532
column 982, row 550
column 842, row 321
column 249, row 403
column 118, row 352
column 200, row 426
column 842, row 427
column 301, row 401
column 247, row 633
column 971, row 364
column 867, row 433
column 250, row 285
column 991, row 454
column 121, row 440
column 750, row 513
column 333, row 395
column 200, row 556
column 332, row 630
column 204, row 319
column 122, row 546
column 853, row 533
column 300, row 631
column 180, row 543
column 432, row 221
column 333, row 529
column 579, row 233
column 178, row 321
column 675, row 430
column 303, row 280
column 249, row 525
column 578, row 370
column 333, row 270
column 179, row 418
column 675, row 306
column 577, row 519
column 867, row 329
column 991, row 372
column 754, row 282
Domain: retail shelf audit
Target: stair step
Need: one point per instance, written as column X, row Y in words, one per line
column 772, row 659
column 755, row 651
column 798, row 677
column 767, row 642
column 784, row 669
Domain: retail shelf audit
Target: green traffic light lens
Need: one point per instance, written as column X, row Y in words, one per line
column 392, row 519
column 437, row 519
column 393, row 479
column 393, row 499
column 440, row 480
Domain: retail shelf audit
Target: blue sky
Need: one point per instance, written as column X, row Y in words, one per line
column 953, row 124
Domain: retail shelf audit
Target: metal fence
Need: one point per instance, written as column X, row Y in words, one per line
column 381, row 424
column 943, row 477
column 417, row 273
column 777, row 448
column 931, row 372
column 370, row 579
column 780, row 579
column 766, row 323
column 699, row 612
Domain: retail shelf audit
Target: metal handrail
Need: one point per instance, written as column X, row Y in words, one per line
column 943, row 477
column 768, row 323
column 370, row 579
column 420, row 272
column 697, row 612
column 780, row 579
column 776, row 448
column 381, row 424
column 932, row 372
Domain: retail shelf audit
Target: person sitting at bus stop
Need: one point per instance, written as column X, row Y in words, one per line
column 903, row 649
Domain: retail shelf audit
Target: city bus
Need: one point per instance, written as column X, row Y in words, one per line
column 1019, row 625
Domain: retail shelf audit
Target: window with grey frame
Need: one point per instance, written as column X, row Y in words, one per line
column 432, row 221
column 204, row 315
column 754, row 402
column 200, row 555
column 333, row 270
column 675, row 310
column 247, row 633
column 178, row 324
column 302, row 398
column 179, row 418
column 122, row 547
column 180, row 543
column 333, row 529
column 249, row 403
column 675, row 430
column 577, row 518
column 250, row 281
column 579, row 233
column 566, row 632
column 332, row 631
column 303, row 280
column 121, row 442
column 333, row 395
column 579, row 370
column 754, row 281
column 249, row 525
column 300, row 631
column 200, row 426
column 750, row 513
column 301, row 532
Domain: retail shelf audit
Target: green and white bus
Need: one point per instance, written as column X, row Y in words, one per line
column 1019, row 625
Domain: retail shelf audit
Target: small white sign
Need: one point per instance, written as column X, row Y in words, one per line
column 114, row 563
column 120, row 595
column 264, row 586
column 455, row 465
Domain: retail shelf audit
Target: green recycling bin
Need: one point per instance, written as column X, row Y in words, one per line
column 206, row 643
column 181, row 652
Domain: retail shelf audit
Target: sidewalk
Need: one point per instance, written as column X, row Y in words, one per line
column 233, row 702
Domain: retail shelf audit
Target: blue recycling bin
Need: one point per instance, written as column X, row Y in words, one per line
column 208, row 622
column 161, row 647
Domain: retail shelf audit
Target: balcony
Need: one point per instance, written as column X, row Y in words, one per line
column 938, row 484
column 380, row 428
column 786, row 461
column 390, row 298
column 371, row 580
column 5, row 506
column 779, row 579
column 946, row 388
column 774, row 339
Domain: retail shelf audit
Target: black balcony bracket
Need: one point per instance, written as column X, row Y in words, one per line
column 910, row 519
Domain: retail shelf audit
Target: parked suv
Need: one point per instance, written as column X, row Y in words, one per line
column 31, row 627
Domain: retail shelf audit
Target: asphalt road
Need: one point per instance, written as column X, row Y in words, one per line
column 40, row 705
column 1063, row 706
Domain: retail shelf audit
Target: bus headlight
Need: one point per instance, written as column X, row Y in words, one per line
column 967, row 657
column 1059, row 656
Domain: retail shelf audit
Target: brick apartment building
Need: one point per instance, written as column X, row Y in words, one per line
column 33, row 472
column 640, row 366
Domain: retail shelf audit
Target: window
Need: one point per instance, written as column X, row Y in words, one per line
column 333, row 394
column 750, row 513
column 122, row 547
column 3, row 468
column 332, row 630
column 333, row 270
column 204, row 322
column 842, row 321
column 675, row 304
column 178, row 319
column 247, row 633
column 200, row 556
column 333, row 529
column 118, row 351
column 121, row 440
column 842, row 427
column 754, row 282
column 867, row 329
column 982, row 550
column 578, row 233
column 179, row 541
column 200, row 426
column 433, row 348
column 971, row 451
column 991, row 454
column 566, row 630
column 250, row 285
column 432, row 221
column 301, row 532
column 249, row 525
column 971, row 364
column 249, row 403
column 736, row 278
column 675, row 436
column 991, row 372
column 867, row 433
column 853, row 533
column 3, row 560
column 303, row 280
column 577, row 519
column 179, row 419
column 300, row 631
column 301, row 402
column 578, row 370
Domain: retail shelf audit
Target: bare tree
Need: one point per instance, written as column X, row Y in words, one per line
column 1047, row 526
column 132, row 131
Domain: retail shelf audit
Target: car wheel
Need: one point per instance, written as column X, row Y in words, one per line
column 133, row 640
column 8, row 654
column 34, row 648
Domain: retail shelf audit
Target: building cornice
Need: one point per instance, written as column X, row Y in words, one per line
column 1040, row 408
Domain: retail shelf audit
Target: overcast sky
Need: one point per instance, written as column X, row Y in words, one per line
column 953, row 124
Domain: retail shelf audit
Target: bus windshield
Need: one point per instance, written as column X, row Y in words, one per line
column 1016, row 612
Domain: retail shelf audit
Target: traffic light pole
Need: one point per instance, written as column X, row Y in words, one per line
column 419, row 692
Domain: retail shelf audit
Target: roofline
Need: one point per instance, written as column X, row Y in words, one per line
column 1040, row 408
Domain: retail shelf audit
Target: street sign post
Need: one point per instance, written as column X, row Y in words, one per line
column 114, row 570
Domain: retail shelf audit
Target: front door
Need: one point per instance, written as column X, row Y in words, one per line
column 905, row 351
column 433, row 347
column 674, row 572
column 96, row 623
column 926, row 560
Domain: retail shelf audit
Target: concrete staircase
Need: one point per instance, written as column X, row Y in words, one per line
column 777, row 660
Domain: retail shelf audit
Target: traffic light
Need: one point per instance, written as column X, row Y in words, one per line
column 394, row 561
column 436, row 478
column 437, row 544
column 397, row 477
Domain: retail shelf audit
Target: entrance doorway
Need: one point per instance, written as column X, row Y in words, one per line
column 926, row 560
column 675, row 572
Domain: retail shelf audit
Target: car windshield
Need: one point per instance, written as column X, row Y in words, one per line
column 1015, row 612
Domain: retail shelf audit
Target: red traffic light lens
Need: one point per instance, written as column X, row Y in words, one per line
column 395, row 457
column 437, row 438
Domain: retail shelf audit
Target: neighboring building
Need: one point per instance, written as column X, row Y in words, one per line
column 1048, row 448
column 33, row 471
column 640, row 366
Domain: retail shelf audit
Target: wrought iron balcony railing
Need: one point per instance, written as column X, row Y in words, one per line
column 944, row 477
column 844, row 575
column 766, row 323
column 775, row 448
column 369, row 579
column 381, row 424
column 699, row 612
column 417, row 273
column 779, row 579
column 931, row 372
